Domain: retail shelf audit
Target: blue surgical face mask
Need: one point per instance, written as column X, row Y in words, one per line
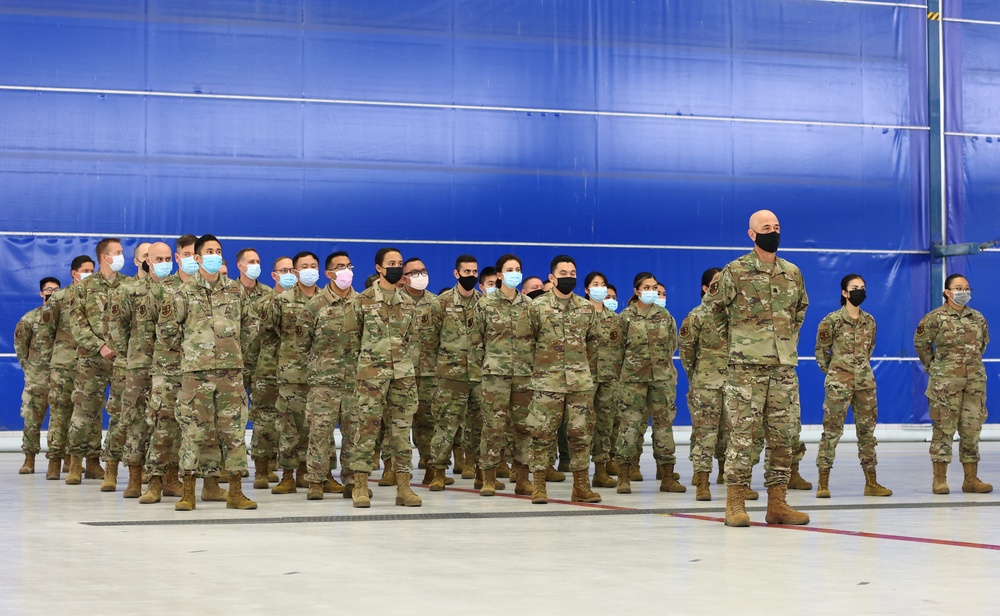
column 308, row 276
column 490, row 290
column 117, row 263
column 189, row 266
column 661, row 302
column 648, row 297
column 212, row 263
column 253, row 271
column 287, row 281
column 512, row 279
column 162, row 270
column 611, row 304
column 598, row 293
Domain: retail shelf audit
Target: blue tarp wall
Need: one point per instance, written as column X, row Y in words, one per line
column 631, row 135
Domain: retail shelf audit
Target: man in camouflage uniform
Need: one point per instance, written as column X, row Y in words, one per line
column 950, row 342
column 416, row 277
column 162, row 455
column 214, row 323
column 764, row 299
column 459, row 365
column 385, row 385
column 33, row 347
column 333, row 354
column 283, row 316
column 259, row 296
column 564, row 328
column 95, row 363
column 132, row 335
column 62, row 366
column 139, row 257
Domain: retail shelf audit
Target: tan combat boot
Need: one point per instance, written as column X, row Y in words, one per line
column 635, row 470
column 940, row 485
column 93, row 469
column 522, row 486
column 823, row 487
column 404, row 493
column 172, row 485
column 110, row 483
column 211, row 492
column 272, row 465
column 624, row 479
column 428, row 475
column 503, row 470
column 65, row 467
column 702, row 491
column 779, row 511
column 331, row 485
column 437, row 480
column 795, row 480
column 459, row 454
column 720, row 479
column 186, row 503
column 538, row 494
column 601, row 477
column 581, row 489
column 736, row 513
column 388, row 475
column 360, row 494
column 28, row 468
column 668, row 481
column 489, row 483
column 554, row 476
column 315, row 491
column 260, row 472
column 134, row 487
column 235, row 499
column 154, row 491
column 52, row 473
column 287, row 483
column 74, row 476
column 748, row 492
column 300, row 476
column 972, row 482
column 470, row 466
column 872, row 487
column 612, row 468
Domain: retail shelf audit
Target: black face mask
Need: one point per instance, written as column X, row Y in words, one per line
column 145, row 267
column 468, row 282
column 393, row 274
column 536, row 293
column 856, row 296
column 566, row 285
column 46, row 298
column 768, row 242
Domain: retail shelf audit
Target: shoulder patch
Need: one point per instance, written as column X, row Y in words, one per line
column 824, row 336
column 425, row 319
column 166, row 310
column 142, row 309
column 685, row 331
column 613, row 335
column 713, row 288
column 920, row 330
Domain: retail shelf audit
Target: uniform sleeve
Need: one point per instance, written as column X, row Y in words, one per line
column 800, row 307
column 249, row 325
column 672, row 338
column 593, row 342
column 168, row 329
column 47, row 327
column 722, row 292
column 824, row 344
column 22, row 340
column 308, row 320
column 871, row 347
column 118, row 320
column 84, row 334
column 688, row 343
column 923, row 340
column 353, row 319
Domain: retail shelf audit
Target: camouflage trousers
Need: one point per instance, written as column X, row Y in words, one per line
column 325, row 407
column 505, row 404
column 165, row 436
column 93, row 376
column 34, row 400
column 263, row 397
column 549, row 409
column 956, row 404
column 470, row 433
column 293, row 431
column 722, row 442
column 636, row 401
column 60, row 410
column 454, row 401
column 705, row 406
column 136, row 422
column 604, row 413
column 755, row 396
column 397, row 400
column 865, row 406
column 423, row 419
column 212, row 413
column 114, row 439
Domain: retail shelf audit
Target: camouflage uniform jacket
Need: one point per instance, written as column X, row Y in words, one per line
column 606, row 362
column 259, row 295
column 166, row 340
column 950, row 343
column 650, row 340
column 565, row 332
column 57, row 320
column 32, row 343
column 215, row 324
column 427, row 335
column 509, row 344
column 382, row 321
column 282, row 316
column 844, row 349
column 704, row 347
column 332, row 349
column 92, row 301
column 765, row 304
column 460, row 347
column 131, row 329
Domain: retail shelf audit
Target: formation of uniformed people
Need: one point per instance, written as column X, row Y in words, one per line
column 481, row 373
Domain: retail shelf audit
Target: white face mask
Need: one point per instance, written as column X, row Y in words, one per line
column 85, row 275
column 117, row 263
column 420, row 282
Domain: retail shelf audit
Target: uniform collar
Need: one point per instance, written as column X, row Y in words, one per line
column 334, row 298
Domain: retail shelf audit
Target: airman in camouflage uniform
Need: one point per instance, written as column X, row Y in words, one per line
column 415, row 275
column 565, row 332
column 950, row 341
column 845, row 341
column 215, row 324
column 95, row 362
column 33, row 347
column 62, row 367
column 606, row 365
column 383, row 324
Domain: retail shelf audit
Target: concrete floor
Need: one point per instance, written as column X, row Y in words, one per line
column 72, row 549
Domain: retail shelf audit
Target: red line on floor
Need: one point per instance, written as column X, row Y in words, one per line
column 552, row 501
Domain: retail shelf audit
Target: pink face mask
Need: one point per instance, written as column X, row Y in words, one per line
column 344, row 279
column 419, row 282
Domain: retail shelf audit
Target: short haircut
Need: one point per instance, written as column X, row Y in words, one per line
column 380, row 255
column 47, row 280
column 79, row 261
column 502, row 261
column 487, row 272
column 303, row 255
column 242, row 253
column 334, row 255
column 412, row 260
column 201, row 241
column 135, row 251
column 525, row 281
column 560, row 259
column 103, row 245
column 465, row 259
column 185, row 240
column 275, row 266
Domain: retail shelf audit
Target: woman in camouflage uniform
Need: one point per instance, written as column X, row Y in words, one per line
column 606, row 366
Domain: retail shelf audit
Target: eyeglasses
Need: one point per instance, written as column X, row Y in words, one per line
column 287, row 270
column 50, row 289
column 961, row 289
column 341, row 267
column 422, row 272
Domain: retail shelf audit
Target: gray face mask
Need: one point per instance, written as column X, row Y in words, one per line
column 961, row 297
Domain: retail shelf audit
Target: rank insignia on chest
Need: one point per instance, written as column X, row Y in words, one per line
column 166, row 310
column 469, row 322
column 613, row 336
column 824, row 336
column 115, row 309
column 298, row 330
column 425, row 319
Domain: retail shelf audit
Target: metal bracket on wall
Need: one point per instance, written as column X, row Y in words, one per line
column 941, row 251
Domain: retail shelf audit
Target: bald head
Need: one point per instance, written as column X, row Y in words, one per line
column 762, row 218
column 158, row 250
column 765, row 233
